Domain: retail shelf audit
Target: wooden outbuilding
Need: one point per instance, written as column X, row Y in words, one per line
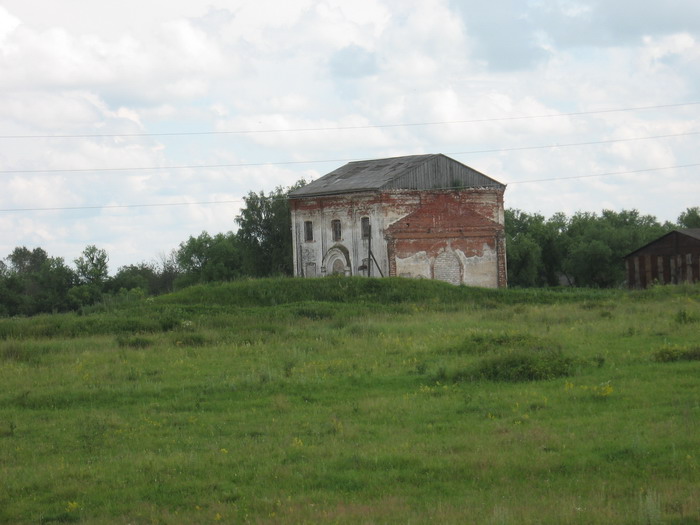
column 420, row 216
column 671, row 259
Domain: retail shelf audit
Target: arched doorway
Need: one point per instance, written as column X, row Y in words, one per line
column 337, row 261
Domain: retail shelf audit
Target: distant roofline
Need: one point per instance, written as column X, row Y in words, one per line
column 385, row 190
column 324, row 192
column 690, row 232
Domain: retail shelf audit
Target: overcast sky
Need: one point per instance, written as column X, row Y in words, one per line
column 511, row 88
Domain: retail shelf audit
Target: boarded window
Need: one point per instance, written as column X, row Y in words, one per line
column 310, row 270
column 308, row 231
column 335, row 228
column 365, row 228
column 447, row 268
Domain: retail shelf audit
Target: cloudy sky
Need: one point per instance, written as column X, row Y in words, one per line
column 135, row 124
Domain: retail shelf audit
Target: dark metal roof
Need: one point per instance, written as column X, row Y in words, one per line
column 689, row 232
column 414, row 172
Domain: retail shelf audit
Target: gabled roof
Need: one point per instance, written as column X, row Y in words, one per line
column 689, row 232
column 414, row 172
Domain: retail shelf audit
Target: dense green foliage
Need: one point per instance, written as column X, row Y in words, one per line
column 690, row 218
column 265, row 233
column 31, row 282
column 354, row 400
column 585, row 249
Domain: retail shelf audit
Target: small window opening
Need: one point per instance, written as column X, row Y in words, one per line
column 335, row 227
column 308, row 231
column 365, row 228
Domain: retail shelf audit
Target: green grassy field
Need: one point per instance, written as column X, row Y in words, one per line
column 355, row 401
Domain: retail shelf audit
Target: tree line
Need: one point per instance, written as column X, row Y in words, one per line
column 33, row 282
column 585, row 249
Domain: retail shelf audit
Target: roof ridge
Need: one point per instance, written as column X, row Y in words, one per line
column 407, row 172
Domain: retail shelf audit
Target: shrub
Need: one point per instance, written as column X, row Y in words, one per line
column 671, row 353
column 134, row 341
column 314, row 312
column 482, row 342
column 190, row 339
column 520, row 366
column 683, row 316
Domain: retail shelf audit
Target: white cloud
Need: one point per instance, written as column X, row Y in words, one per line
column 8, row 24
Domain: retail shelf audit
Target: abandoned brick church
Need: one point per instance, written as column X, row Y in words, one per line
column 420, row 216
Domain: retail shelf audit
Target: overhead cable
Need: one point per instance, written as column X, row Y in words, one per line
column 292, row 162
column 345, row 128
column 231, row 201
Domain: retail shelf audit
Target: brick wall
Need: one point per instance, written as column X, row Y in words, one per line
column 454, row 235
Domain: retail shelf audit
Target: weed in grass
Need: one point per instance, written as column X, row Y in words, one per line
column 670, row 353
column 8, row 429
column 518, row 366
column 14, row 351
column 649, row 508
column 683, row 316
column 288, row 367
column 315, row 312
column 601, row 391
column 134, row 341
column 481, row 342
column 190, row 339
column 281, row 404
column 62, row 517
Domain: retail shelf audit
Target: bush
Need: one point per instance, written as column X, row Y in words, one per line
column 133, row 341
column 683, row 316
column 190, row 340
column 671, row 353
column 520, row 366
column 482, row 342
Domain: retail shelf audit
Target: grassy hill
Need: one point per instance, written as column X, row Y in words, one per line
column 355, row 401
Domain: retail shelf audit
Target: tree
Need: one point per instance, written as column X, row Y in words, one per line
column 205, row 258
column 24, row 261
column 141, row 276
column 55, row 281
column 535, row 248
column 35, row 283
column 587, row 248
column 167, row 272
column 524, row 255
column 599, row 243
column 690, row 218
column 265, row 232
column 92, row 266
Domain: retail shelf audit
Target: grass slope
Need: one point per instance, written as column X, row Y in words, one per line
column 355, row 401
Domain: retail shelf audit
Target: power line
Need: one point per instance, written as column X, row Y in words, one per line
column 159, row 205
column 322, row 161
column 345, row 128
column 115, row 206
column 606, row 174
column 571, row 144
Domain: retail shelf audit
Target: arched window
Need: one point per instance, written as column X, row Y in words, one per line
column 308, row 231
column 335, row 229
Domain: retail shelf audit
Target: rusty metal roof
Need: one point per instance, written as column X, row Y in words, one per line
column 414, row 172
